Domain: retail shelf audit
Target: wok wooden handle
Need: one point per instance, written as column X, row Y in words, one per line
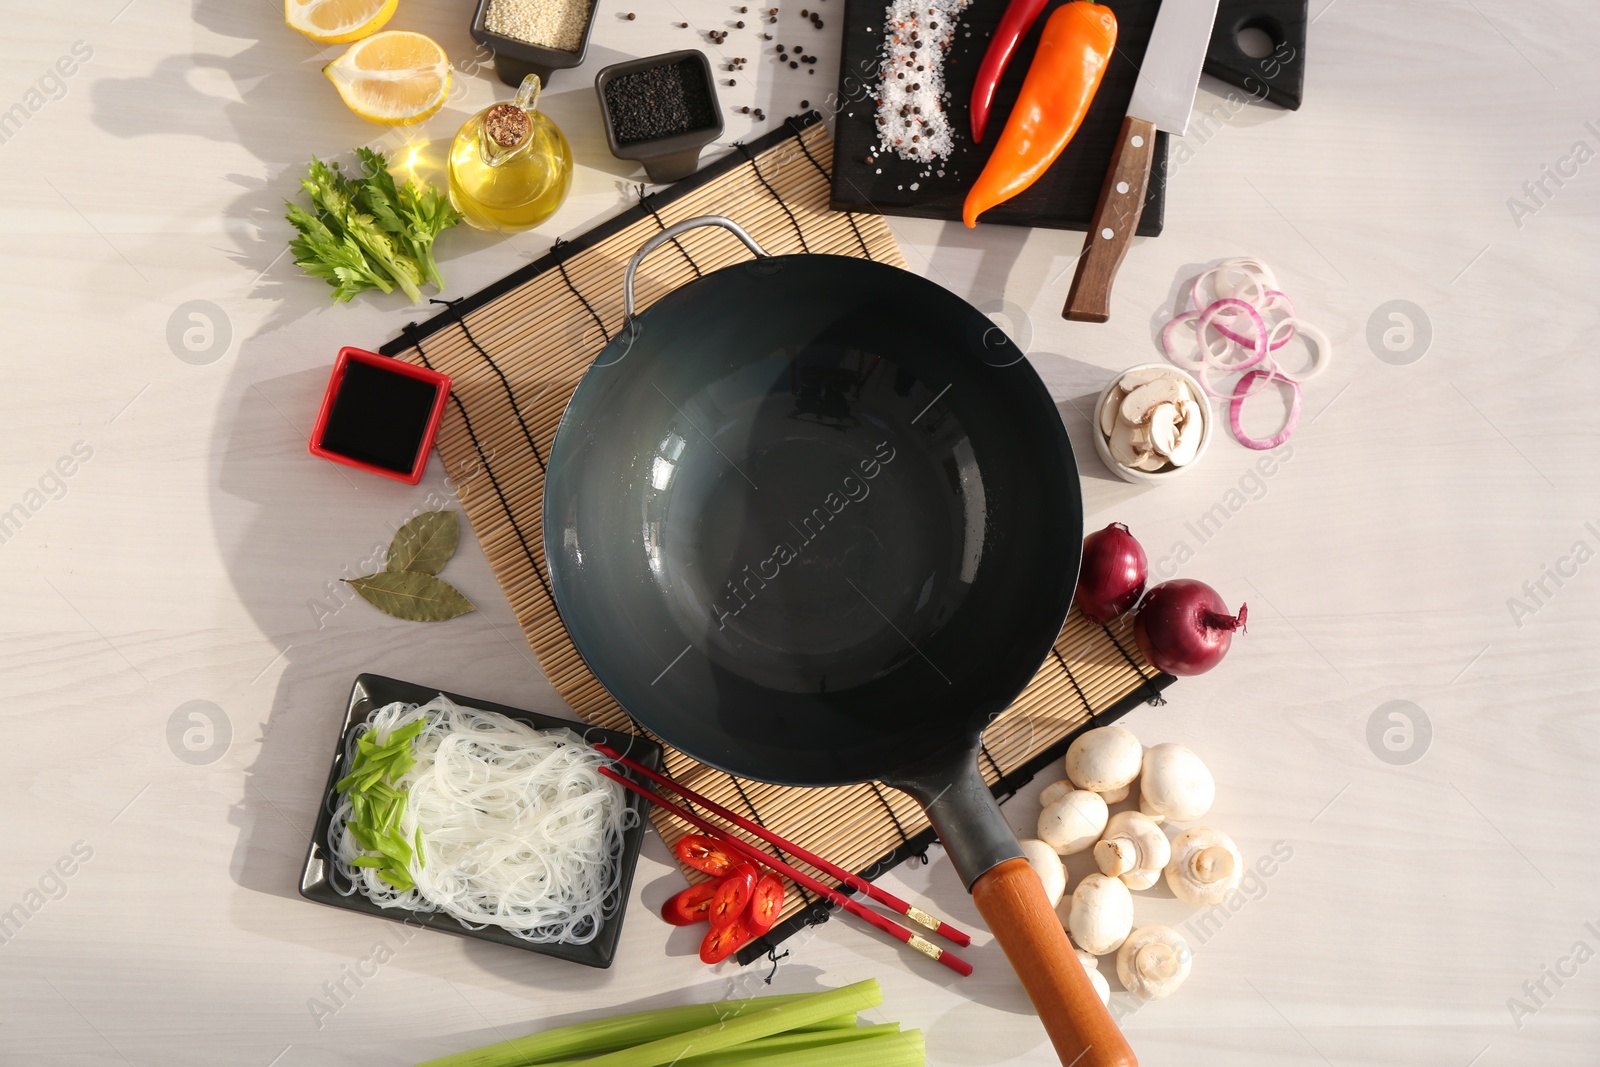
column 1012, row 901
column 1116, row 216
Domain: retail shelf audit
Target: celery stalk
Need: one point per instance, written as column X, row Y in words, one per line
column 608, row 1035
column 748, row 1027
column 838, row 1022
column 905, row 1049
column 752, row 1051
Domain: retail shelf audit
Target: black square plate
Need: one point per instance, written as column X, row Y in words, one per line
column 373, row 691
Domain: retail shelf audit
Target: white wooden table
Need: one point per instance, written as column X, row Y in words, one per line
column 172, row 541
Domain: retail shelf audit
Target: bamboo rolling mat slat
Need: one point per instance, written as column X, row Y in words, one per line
column 515, row 352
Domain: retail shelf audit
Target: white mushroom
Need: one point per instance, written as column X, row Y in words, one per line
column 1133, row 849
column 1074, row 822
column 1054, row 792
column 1191, row 428
column 1153, row 962
column 1047, row 865
column 1174, row 784
column 1105, row 760
column 1108, row 410
column 1091, row 967
column 1101, row 915
column 1164, row 428
column 1139, row 402
column 1205, row 866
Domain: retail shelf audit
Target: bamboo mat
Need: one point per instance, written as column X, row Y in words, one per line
column 515, row 352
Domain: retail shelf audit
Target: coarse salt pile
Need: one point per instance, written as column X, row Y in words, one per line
column 912, row 122
column 554, row 24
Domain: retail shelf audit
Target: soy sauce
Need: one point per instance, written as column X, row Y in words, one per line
column 379, row 417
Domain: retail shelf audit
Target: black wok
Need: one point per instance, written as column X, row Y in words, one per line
column 814, row 520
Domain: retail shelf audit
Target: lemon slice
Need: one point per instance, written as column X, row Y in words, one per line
column 337, row 21
column 393, row 78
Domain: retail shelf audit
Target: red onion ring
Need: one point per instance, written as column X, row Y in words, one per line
column 1237, row 405
column 1257, row 345
column 1315, row 340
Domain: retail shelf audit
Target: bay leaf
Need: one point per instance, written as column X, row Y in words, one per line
column 426, row 543
column 412, row 595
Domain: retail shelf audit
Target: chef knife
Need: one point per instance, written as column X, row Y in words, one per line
column 1162, row 99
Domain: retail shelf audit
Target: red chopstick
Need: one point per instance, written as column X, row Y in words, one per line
column 882, row 896
column 749, row 851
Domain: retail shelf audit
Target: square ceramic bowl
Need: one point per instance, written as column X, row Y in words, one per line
column 379, row 415
column 317, row 880
column 665, row 159
column 515, row 60
column 1138, row 477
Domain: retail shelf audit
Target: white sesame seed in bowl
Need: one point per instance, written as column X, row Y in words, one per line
column 555, row 24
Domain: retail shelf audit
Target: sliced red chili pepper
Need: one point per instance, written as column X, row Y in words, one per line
column 691, row 906
column 705, row 854
column 724, row 941
column 765, row 904
column 733, row 894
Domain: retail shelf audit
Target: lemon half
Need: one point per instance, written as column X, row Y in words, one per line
column 337, row 21
column 394, row 78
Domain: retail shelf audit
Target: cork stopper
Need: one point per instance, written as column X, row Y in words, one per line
column 507, row 125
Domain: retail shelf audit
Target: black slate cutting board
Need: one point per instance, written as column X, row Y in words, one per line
column 1063, row 199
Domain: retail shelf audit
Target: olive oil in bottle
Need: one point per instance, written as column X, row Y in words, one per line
column 510, row 166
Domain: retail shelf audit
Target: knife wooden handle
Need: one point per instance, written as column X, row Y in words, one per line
column 1116, row 216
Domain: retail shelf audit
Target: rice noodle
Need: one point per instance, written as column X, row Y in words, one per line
column 519, row 828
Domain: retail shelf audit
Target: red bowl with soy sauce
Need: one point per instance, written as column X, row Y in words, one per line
column 380, row 415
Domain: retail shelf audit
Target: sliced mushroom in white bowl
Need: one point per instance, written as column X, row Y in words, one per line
column 1152, row 423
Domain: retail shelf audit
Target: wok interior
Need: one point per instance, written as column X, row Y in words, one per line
column 812, row 519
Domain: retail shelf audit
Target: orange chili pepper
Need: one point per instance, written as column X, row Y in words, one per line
column 1066, row 71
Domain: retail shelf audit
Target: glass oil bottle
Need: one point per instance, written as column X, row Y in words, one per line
column 510, row 166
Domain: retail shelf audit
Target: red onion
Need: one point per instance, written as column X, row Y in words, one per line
column 1113, row 574
column 1183, row 626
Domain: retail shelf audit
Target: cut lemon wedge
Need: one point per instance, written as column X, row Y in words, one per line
column 393, row 78
column 337, row 21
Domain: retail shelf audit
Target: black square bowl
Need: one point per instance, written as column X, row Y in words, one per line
column 373, row 691
column 665, row 159
column 515, row 60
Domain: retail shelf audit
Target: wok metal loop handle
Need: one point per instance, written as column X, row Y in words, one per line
column 677, row 229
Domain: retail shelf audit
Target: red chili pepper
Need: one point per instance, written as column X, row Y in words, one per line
column 723, row 941
column 1073, row 51
column 1014, row 25
column 733, row 894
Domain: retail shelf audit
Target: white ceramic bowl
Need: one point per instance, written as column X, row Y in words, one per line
column 1128, row 474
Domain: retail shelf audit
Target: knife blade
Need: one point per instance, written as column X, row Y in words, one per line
column 1162, row 99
